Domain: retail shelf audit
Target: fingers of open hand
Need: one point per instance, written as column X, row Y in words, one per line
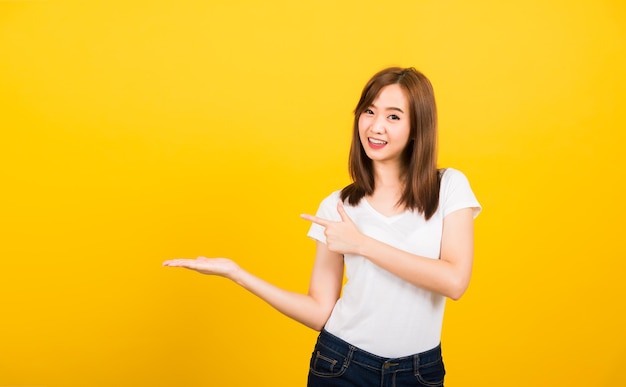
column 213, row 266
column 180, row 262
column 199, row 264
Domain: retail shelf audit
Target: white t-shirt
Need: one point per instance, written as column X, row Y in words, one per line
column 379, row 312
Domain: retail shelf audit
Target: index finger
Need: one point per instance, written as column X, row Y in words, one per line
column 317, row 220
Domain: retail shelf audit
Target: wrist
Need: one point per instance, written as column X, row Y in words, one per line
column 363, row 246
column 237, row 275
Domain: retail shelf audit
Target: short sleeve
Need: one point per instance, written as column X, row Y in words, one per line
column 456, row 193
column 326, row 210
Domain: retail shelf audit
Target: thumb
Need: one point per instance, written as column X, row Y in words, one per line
column 342, row 213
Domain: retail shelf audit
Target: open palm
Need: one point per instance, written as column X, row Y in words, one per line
column 223, row 267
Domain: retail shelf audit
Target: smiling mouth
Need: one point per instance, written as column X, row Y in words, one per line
column 376, row 141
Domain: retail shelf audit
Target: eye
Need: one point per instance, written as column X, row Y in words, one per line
column 394, row 117
column 368, row 112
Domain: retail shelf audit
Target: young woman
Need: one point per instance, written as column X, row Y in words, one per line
column 404, row 231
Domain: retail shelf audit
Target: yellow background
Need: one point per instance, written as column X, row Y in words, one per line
column 135, row 132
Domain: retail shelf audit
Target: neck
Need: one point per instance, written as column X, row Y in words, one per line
column 387, row 176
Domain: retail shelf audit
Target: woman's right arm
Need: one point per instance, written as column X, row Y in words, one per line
column 312, row 309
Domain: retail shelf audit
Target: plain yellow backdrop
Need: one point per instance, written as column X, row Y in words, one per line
column 135, row 132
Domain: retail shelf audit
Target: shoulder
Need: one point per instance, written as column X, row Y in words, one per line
column 456, row 192
column 333, row 198
column 328, row 207
column 452, row 177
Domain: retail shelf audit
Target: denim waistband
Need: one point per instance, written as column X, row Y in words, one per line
column 377, row 362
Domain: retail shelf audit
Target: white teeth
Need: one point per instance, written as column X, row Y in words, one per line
column 376, row 141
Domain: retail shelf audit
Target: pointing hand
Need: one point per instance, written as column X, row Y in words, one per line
column 341, row 237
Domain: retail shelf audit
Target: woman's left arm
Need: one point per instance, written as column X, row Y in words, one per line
column 449, row 275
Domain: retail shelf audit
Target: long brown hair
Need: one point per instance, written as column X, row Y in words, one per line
column 419, row 159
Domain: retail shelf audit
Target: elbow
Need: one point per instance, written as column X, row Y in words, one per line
column 318, row 325
column 456, row 295
column 319, row 322
column 456, row 290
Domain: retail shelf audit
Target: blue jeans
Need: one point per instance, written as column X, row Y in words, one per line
column 335, row 363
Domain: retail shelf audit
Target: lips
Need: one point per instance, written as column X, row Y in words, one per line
column 376, row 143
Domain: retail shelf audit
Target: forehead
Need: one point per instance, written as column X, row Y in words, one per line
column 391, row 96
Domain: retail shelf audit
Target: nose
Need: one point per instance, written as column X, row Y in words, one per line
column 378, row 124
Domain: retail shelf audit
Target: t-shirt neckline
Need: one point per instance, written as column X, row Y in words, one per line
column 388, row 219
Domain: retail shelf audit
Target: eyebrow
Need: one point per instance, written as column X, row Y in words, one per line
column 390, row 108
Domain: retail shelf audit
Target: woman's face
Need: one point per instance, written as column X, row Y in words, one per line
column 384, row 127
